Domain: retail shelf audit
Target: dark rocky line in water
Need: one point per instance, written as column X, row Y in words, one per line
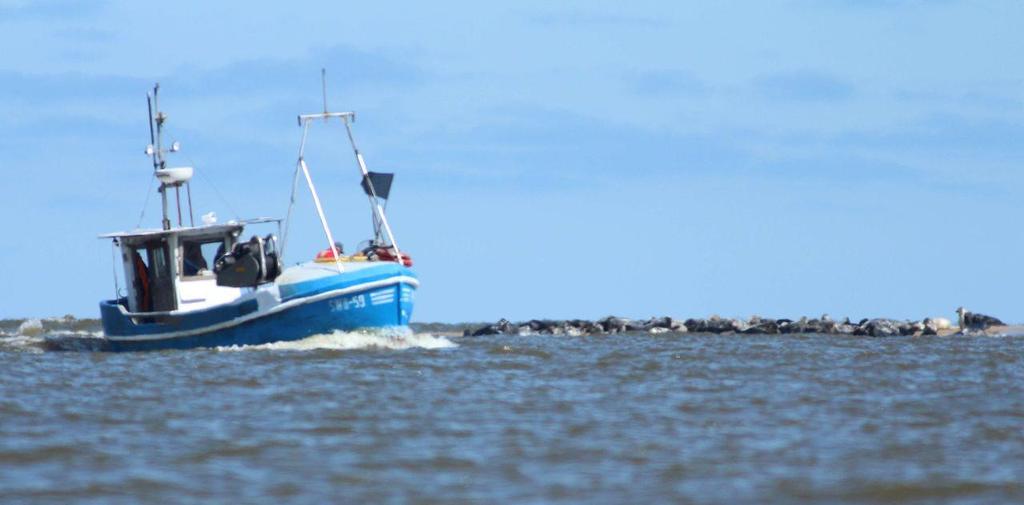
column 878, row 327
column 755, row 325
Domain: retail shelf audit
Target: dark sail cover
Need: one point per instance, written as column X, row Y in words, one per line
column 381, row 184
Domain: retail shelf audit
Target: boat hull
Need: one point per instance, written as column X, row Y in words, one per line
column 379, row 299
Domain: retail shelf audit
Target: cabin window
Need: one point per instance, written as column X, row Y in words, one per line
column 198, row 256
column 158, row 261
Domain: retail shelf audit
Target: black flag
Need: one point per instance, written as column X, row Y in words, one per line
column 381, row 184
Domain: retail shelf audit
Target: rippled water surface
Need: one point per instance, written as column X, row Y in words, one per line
column 423, row 419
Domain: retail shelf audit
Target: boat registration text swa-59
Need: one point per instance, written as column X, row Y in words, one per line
column 205, row 285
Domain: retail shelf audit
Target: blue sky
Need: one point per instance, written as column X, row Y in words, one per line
column 570, row 159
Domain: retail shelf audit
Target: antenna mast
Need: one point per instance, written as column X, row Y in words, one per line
column 168, row 178
column 154, row 148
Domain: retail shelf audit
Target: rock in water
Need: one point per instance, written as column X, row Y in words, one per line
column 882, row 328
column 501, row 327
column 760, row 326
column 756, row 325
column 612, row 324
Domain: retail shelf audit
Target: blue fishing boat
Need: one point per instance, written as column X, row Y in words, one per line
column 205, row 285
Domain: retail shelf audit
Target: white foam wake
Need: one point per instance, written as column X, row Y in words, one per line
column 395, row 339
column 26, row 343
column 28, row 337
column 30, row 327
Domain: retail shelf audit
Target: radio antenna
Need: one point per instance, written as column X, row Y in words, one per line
column 152, row 136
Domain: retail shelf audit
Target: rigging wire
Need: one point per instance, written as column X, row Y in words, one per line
column 215, row 190
column 288, row 216
column 188, row 188
column 145, row 204
column 291, row 199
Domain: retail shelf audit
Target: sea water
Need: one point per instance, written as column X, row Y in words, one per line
column 425, row 418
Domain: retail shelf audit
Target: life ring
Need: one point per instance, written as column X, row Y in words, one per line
column 388, row 254
column 328, row 255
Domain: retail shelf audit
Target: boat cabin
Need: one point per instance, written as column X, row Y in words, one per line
column 173, row 270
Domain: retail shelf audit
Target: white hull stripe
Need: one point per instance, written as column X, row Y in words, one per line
column 273, row 310
column 382, row 297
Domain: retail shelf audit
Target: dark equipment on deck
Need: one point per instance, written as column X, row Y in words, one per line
column 249, row 264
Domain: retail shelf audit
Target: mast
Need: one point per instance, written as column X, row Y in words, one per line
column 305, row 120
column 157, row 152
column 374, row 201
column 154, row 150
